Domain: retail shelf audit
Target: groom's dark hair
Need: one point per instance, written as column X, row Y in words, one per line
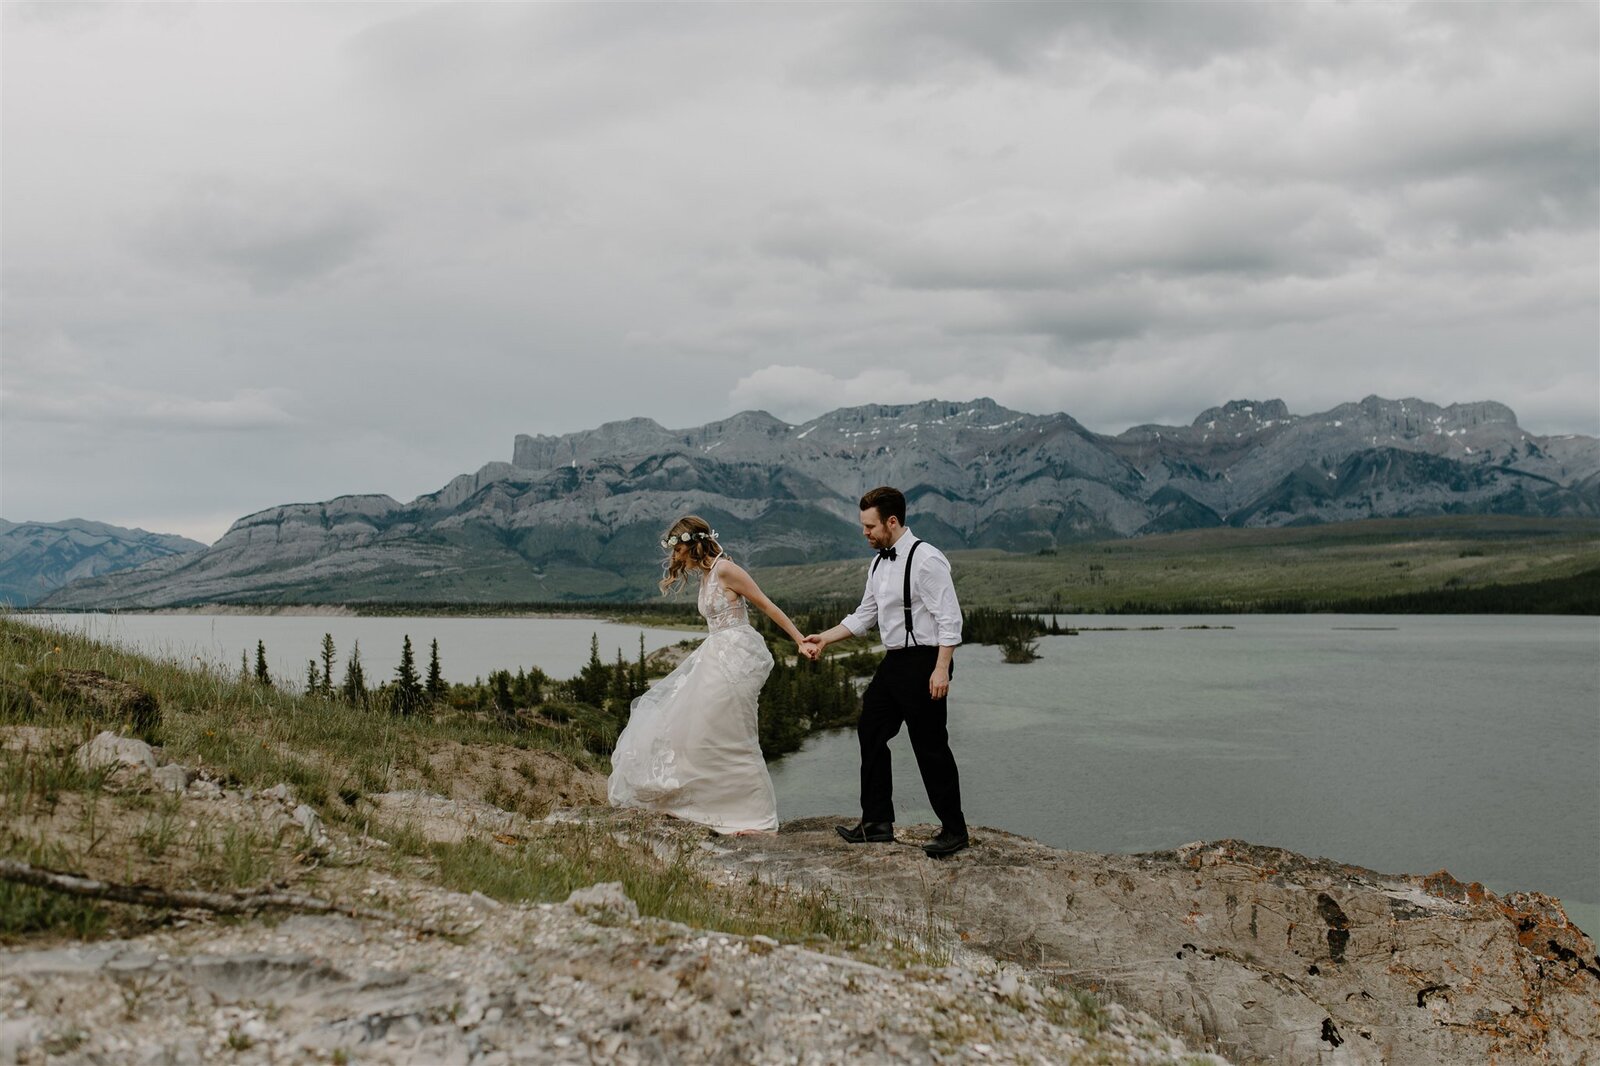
column 891, row 503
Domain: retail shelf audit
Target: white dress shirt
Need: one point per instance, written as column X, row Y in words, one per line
column 935, row 614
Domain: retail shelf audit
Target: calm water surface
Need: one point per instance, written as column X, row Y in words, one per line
column 468, row 647
column 1404, row 744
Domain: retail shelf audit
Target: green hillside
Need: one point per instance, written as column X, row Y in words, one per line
column 1472, row 563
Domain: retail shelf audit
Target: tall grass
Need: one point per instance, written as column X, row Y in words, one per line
column 253, row 735
column 257, row 735
column 560, row 859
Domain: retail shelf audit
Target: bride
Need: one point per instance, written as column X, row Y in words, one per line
column 690, row 747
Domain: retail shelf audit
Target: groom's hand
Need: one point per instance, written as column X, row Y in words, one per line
column 939, row 682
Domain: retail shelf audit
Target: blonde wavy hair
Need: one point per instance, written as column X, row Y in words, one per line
column 702, row 548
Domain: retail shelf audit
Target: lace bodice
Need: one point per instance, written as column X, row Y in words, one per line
column 720, row 608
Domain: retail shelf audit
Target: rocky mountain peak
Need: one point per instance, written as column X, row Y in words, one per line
column 1413, row 416
column 981, row 409
column 576, row 514
column 627, row 437
column 1237, row 414
column 746, row 425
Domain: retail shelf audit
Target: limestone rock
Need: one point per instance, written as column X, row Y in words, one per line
column 108, row 749
column 311, row 822
column 1261, row 954
column 172, row 777
column 205, row 788
column 16, row 1036
column 441, row 819
column 532, row 984
column 605, row 897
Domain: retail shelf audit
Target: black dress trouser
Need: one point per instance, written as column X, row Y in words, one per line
column 898, row 693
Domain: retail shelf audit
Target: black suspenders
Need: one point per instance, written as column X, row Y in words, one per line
column 911, row 636
column 905, row 598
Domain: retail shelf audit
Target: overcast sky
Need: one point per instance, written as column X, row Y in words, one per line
column 265, row 253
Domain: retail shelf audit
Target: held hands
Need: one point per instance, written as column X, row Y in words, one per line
column 811, row 647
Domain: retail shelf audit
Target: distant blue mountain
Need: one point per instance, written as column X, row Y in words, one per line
column 36, row 558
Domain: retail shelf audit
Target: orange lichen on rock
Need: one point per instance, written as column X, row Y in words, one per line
column 1444, row 886
column 1543, row 928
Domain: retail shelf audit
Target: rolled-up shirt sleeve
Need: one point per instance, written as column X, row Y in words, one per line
column 937, row 591
column 865, row 617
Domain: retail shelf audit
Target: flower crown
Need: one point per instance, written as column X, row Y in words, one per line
column 686, row 537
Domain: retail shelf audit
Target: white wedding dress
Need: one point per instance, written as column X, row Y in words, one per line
column 690, row 747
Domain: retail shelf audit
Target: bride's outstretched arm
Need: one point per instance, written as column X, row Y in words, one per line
column 735, row 578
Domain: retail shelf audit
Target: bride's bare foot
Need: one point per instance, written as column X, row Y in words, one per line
column 756, row 833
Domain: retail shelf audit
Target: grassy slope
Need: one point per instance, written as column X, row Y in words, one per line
column 1243, row 569
column 246, row 736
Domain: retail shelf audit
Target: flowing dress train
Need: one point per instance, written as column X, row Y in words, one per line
column 691, row 747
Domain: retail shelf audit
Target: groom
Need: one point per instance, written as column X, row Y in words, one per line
column 911, row 599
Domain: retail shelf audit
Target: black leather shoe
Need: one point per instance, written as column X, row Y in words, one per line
column 946, row 843
column 868, row 833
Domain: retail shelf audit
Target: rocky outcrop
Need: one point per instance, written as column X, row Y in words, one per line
column 588, row 980
column 110, row 750
column 1261, row 954
column 36, row 558
column 1254, row 953
column 577, row 516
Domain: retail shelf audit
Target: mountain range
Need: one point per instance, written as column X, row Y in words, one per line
column 577, row 516
column 36, row 558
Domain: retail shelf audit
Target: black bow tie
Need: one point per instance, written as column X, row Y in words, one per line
column 886, row 553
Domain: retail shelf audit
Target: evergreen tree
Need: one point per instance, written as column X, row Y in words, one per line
column 261, row 664
column 355, row 679
column 530, row 687
column 621, row 683
column 311, row 677
column 407, row 685
column 244, row 665
column 327, row 664
column 436, row 688
column 593, row 682
column 504, row 704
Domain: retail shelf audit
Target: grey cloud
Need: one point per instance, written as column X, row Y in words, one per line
column 68, row 17
column 91, row 406
column 552, row 72
column 272, row 236
column 1076, row 319
column 1032, row 242
column 1484, row 157
column 442, row 225
column 926, row 42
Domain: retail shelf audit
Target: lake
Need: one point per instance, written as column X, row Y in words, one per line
column 468, row 647
column 1402, row 743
